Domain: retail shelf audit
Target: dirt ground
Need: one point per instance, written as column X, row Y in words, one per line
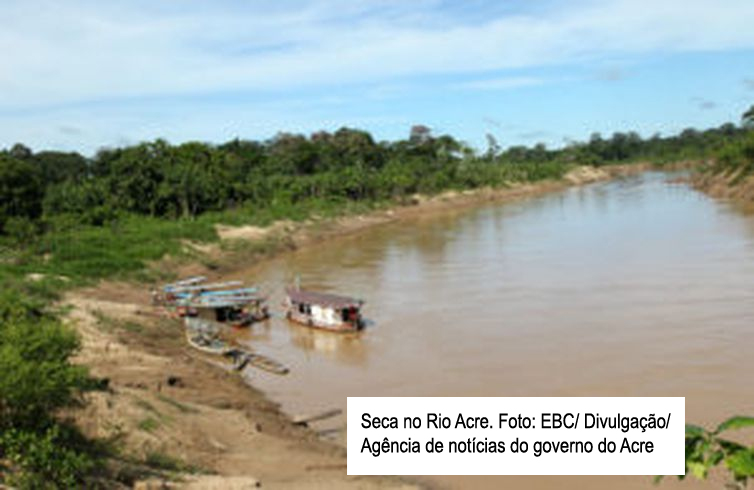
column 166, row 400
column 169, row 403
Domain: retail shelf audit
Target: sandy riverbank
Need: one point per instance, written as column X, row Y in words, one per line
column 726, row 186
column 246, row 244
column 168, row 400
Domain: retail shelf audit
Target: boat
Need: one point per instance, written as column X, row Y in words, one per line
column 172, row 294
column 323, row 310
column 266, row 363
column 247, row 291
column 204, row 337
column 190, row 281
column 226, row 302
column 242, row 358
column 236, row 311
column 207, row 343
column 199, row 287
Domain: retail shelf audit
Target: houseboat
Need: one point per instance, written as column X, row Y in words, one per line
column 323, row 310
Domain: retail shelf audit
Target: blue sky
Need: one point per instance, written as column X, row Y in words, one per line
column 83, row 74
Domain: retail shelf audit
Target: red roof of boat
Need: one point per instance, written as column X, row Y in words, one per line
column 324, row 299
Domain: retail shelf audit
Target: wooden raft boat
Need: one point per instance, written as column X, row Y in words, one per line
column 228, row 302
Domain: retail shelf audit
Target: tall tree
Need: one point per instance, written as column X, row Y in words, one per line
column 21, row 190
column 747, row 119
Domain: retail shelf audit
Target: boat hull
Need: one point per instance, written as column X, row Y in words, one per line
column 308, row 321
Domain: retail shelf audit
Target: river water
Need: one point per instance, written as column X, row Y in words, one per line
column 634, row 287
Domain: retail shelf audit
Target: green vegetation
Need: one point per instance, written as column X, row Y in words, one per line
column 37, row 382
column 736, row 159
column 89, row 218
column 747, row 119
column 113, row 325
column 165, row 462
column 66, row 220
column 708, row 449
column 149, row 424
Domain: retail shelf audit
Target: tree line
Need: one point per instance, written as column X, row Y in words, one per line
column 158, row 179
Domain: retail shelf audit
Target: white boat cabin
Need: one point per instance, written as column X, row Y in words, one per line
column 322, row 310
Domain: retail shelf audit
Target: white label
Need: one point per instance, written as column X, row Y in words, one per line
column 516, row 436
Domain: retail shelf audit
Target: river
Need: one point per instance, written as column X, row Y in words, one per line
column 633, row 287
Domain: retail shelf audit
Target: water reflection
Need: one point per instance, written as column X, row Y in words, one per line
column 346, row 348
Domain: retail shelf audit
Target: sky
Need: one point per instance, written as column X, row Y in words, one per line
column 85, row 74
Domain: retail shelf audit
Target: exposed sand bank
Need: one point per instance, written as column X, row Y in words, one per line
column 249, row 243
column 167, row 399
column 730, row 186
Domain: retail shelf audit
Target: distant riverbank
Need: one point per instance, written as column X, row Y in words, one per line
column 735, row 187
column 251, row 243
column 730, row 175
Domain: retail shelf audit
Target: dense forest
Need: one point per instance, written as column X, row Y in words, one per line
column 67, row 219
column 48, row 189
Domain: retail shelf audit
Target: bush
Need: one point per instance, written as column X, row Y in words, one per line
column 21, row 189
column 737, row 158
column 52, row 458
column 708, row 449
column 21, row 230
column 37, row 379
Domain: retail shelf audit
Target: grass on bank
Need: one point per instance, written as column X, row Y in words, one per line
column 72, row 255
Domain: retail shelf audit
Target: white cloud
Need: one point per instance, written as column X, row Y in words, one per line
column 80, row 50
column 88, row 127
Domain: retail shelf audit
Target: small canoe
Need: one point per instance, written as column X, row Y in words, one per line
column 191, row 281
column 242, row 358
column 207, row 344
column 267, row 364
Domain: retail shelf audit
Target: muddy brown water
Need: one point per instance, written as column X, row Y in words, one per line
column 634, row 287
